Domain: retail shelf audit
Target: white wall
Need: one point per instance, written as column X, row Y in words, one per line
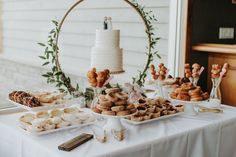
column 26, row 22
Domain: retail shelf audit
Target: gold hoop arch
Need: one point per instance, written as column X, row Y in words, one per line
column 79, row 2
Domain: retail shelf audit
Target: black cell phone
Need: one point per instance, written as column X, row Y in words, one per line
column 75, row 142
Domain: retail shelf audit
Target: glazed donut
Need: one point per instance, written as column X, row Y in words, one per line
column 112, row 90
column 121, row 95
column 95, row 109
column 111, row 97
column 205, row 96
column 194, row 91
column 174, row 95
column 110, row 113
column 121, row 102
column 196, row 98
column 118, row 108
column 103, row 108
column 123, row 113
column 103, row 101
column 183, row 97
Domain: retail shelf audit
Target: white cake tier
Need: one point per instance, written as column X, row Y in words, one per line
column 107, row 38
column 106, row 58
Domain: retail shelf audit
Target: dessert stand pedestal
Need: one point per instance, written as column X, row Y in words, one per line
column 188, row 105
column 113, row 122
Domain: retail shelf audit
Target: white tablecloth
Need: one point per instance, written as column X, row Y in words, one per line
column 205, row 135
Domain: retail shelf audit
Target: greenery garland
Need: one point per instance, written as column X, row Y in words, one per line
column 63, row 83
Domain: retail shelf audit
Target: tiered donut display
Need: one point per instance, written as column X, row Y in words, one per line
column 160, row 73
column 188, row 92
column 114, row 103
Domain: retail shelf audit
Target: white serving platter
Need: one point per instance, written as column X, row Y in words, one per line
column 186, row 102
column 56, row 130
column 40, row 108
column 153, row 120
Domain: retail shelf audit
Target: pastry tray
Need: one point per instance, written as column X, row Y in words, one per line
column 56, row 130
column 154, row 119
column 40, row 108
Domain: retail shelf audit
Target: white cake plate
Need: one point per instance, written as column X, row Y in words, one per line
column 113, row 122
column 188, row 105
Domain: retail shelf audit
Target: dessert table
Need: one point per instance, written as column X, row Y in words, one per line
column 204, row 135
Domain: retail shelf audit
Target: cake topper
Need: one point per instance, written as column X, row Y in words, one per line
column 107, row 23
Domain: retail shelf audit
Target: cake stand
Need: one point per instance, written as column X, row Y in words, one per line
column 113, row 122
column 188, row 105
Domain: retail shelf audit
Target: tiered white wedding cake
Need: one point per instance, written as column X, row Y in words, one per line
column 107, row 54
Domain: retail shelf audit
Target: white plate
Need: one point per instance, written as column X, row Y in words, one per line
column 40, row 108
column 56, row 130
column 186, row 102
column 153, row 120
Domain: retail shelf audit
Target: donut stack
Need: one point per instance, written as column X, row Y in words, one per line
column 114, row 103
column 160, row 74
column 196, row 70
column 188, row 92
column 217, row 70
column 187, row 70
column 98, row 79
column 24, row 98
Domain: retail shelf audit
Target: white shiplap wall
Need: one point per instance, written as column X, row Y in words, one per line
column 26, row 22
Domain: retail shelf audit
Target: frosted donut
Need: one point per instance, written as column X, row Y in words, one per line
column 171, row 111
column 147, row 117
column 141, row 111
column 180, row 108
column 103, row 108
column 111, row 113
column 121, row 95
column 151, row 109
column 123, row 113
column 112, row 90
column 121, row 102
column 111, row 97
column 71, row 110
column 42, row 115
column 35, row 128
column 118, row 108
column 137, row 119
column 56, row 113
column 130, row 106
column 156, row 115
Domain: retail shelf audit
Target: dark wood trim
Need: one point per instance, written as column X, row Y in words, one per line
column 189, row 31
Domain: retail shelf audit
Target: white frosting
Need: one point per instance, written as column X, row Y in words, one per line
column 107, row 54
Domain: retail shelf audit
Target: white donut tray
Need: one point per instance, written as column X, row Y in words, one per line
column 153, row 120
